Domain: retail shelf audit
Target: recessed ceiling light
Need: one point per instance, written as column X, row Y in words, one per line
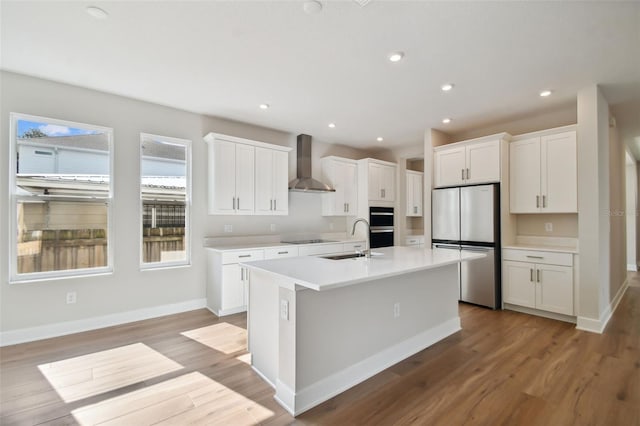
column 332, row 125
column 545, row 93
column 446, row 87
column 446, row 120
column 379, row 138
column 311, row 7
column 396, row 56
column 96, row 12
column 264, row 106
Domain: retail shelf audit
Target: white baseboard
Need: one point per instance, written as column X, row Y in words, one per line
column 224, row 312
column 31, row 334
column 537, row 312
column 598, row 325
column 309, row 397
column 632, row 267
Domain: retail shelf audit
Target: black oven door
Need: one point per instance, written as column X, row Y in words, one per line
column 381, row 216
column 381, row 237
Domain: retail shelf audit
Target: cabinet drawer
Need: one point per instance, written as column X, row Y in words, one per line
column 312, row 250
column 354, row 246
column 242, row 256
column 413, row 241
column 534, row 256
column 280, row 252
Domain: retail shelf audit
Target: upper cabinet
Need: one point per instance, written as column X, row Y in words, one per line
column 468, row 162
column 414, row 193
column 272, row 177
column 247, row 177
column 342, row 175
column 380, row 179
column 543, row 173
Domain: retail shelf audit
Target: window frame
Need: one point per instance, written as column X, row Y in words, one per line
column 14, row 198
column 187, row 144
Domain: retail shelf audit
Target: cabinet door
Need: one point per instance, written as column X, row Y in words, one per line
column 414, row 194
column 232, row 287
column 559, row 173
column 554, row 291
column 518, row 283
column 483, row 162
column 264, row 181
column 349, row 177
column 245, row 175
column 375, row 176
column 388, row 182
column 524, row 176
column 333, row 203
column 280, row 183
column 222, row 175
column 448, row 166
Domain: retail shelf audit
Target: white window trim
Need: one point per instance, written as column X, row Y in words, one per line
column 14, row 277
column 187, row 214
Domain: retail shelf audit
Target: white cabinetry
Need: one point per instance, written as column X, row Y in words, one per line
column 416, row 241
column 247, row 177
column 543, row 173
column 272, row 175
column 414, row 193
column 231, row 176
column 342, row 175
column 538, row 279
column 468, row 162
column 377, row 179
column 227, row 281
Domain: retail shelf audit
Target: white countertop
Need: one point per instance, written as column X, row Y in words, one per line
column 539, row 247
column 248, row 246
column 321, row 274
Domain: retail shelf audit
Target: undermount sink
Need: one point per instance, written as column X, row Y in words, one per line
column 344, row 256
column 349, row 256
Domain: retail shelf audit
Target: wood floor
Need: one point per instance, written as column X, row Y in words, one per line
column 502, row 368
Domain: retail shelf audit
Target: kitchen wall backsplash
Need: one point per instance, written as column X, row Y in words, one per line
column 563, row 225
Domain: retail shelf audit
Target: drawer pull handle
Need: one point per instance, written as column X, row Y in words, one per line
column 358, row 246
column 283, row 252
column 245, row 255
column 535, row 257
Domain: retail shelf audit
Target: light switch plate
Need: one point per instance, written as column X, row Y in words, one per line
column 228, row 228
column 548, row 227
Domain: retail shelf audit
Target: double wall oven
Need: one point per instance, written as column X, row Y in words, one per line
column 381, row 226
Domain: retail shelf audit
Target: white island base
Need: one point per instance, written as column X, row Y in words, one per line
column 312, row 344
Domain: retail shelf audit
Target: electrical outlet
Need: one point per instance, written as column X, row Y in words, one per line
column 272, row 227
column 228, row 228
column 71, row 297
column 548, row 227
column 396, row 310
column 330, row 226
column 284, row 309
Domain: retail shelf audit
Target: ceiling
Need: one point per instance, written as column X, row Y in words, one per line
column 224, row 58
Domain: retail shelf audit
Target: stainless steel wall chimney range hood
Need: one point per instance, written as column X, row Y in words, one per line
column 304, row 182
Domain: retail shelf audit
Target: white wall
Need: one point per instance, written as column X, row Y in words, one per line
column 631, row 202
column 43, row 303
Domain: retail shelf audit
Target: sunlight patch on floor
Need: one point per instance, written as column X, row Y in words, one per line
column 223, row 337
column 88, row 375
column 189, row 399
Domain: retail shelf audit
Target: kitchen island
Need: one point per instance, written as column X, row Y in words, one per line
column 319, row 326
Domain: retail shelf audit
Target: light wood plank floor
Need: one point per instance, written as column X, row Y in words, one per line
column 502, row 368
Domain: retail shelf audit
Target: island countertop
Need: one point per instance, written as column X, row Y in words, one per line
column 317, row 273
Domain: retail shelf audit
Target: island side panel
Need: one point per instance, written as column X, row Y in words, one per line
column 346, row 335
column 262, row 324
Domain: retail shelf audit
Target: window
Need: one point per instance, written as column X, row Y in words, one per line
column 61, row 195
column 165, row 193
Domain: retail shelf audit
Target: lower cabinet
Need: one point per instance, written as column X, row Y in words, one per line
column 528, row 281
column 416, row 241
column 228, row 282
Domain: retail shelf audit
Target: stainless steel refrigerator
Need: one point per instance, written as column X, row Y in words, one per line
column 467, row 218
